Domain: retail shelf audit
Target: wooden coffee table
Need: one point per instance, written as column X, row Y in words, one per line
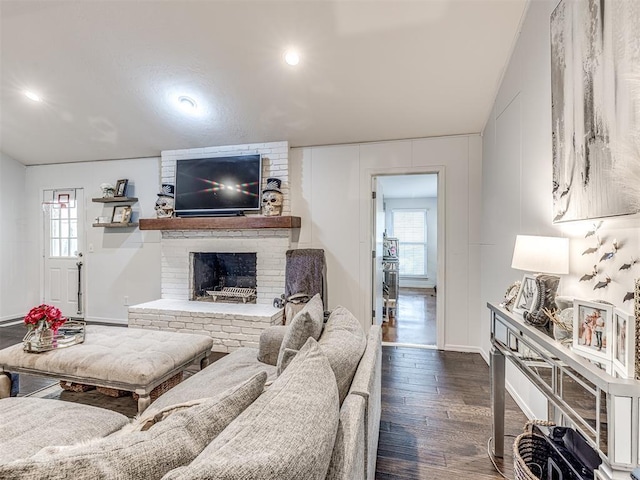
column 129, row 359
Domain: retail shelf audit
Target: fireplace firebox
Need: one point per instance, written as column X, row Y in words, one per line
column 213, row 272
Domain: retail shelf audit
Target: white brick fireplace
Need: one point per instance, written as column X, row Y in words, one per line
column 230, row 325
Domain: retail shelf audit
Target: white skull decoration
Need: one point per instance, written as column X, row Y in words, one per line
column 271, row 204
column 164, row 207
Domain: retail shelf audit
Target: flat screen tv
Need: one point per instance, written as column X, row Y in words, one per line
column 218, row 185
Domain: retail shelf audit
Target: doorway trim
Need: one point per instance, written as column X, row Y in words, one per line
column 368, row 233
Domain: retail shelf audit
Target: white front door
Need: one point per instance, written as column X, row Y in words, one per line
column 63, row 239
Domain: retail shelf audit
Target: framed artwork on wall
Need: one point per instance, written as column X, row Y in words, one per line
column 623, row 342
column 594, row 52
column 592, row 329
column 526, row 294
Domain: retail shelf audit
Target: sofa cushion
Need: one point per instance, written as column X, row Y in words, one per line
column 231, row 370
column 307, row 323
column 28, row 424
column 150, row 454
column 270, row 340
column 288, row 433
column 343, row 341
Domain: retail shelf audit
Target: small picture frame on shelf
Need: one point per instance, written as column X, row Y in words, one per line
column 121, row 187
column 121, row 214
column 592, row 329
column 526, row 294
column 623, row 342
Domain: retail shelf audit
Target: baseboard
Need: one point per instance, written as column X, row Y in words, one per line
column 409, row 345
column 114, row 321
column 11, row 318
column 463, row 348
column 519, row 401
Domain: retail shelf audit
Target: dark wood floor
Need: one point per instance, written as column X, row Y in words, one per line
column 436, row 416
column 414, row 319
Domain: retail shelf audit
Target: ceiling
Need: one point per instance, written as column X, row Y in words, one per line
column 109, row 72
column 409, row 186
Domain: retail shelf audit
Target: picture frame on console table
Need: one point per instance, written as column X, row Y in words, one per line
column 593, row 329
column 526, row 294
column 623, row 342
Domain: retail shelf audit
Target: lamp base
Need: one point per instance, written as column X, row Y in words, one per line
column 546, row 287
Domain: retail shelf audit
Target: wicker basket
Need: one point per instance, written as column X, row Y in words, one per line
column 75, row 387
column 113, row 392
column 163, row 387
column 531, row 453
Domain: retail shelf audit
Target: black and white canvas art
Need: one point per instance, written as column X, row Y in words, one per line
column 595, row 87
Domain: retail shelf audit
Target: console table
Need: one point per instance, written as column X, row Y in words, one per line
column 579, row 394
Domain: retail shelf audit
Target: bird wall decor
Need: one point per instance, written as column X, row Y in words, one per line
column 596, row 227
column 614, row 249
column 628, row 296
column 593, row 249
column 603, row 283
column 627, row 266
column 589, row 276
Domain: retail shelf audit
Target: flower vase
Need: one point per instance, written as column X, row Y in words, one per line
column 43, row 334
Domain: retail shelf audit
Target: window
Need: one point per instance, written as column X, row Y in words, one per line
column 63, row 228
column 410, row 227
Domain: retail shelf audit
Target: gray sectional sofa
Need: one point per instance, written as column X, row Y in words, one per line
column 305, row 405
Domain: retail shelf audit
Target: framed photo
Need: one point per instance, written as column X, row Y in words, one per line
column 623, row 342
column 526, row 294
column 121, row 214
column 121, row 187
column 593, row 329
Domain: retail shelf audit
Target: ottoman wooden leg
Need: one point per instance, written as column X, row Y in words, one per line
column 5, row 385
column 144, row 400
column 204, row 363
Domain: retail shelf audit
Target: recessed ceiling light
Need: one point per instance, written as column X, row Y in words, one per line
column 292, row 58
column 32, row 96
column 187, row 104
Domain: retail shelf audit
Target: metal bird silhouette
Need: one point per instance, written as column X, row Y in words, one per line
column 603, row 283
column 591, row 250
column 589, row 276
column 628, row 296
column 593, row 231
column 609, row 255
column 627, row 266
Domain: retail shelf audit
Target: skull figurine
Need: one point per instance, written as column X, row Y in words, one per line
column 164, row 207
column 271, row 204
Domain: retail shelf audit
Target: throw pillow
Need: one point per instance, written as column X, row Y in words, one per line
column 343, row 342
column 287, row 434
column 170, row 444
column 307, row 323
column 270, row 340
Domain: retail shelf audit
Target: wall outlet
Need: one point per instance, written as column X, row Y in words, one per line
column 126, row 301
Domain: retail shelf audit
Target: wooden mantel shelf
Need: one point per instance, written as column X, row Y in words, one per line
column 219, row 223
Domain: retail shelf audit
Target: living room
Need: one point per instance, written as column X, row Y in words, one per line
column 497, row 184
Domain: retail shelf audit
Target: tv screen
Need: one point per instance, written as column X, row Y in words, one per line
column 218, row 185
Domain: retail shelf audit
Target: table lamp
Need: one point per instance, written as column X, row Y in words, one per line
column 548, row 257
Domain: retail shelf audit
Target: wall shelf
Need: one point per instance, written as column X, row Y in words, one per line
column 116, row 225
column 219, row 223
column 115, row 200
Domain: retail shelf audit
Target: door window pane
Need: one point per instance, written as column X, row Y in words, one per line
column 63, row 230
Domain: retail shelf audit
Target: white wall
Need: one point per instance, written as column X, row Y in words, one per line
column 431, row 206
column 330, row 190
column 124, row 262
column 517, row 180
column 16, row 294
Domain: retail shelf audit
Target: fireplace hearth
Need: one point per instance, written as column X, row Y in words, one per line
column 215, row 271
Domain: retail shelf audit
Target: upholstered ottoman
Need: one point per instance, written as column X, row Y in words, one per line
column 128, row 359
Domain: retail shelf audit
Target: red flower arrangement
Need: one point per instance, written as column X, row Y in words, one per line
column 42, row 314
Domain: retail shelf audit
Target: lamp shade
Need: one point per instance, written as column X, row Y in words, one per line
column 541, row 254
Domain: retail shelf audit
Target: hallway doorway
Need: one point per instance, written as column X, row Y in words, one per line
column 410, row 258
